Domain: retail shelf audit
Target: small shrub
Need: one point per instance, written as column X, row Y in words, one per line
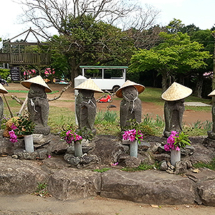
column 104, row 117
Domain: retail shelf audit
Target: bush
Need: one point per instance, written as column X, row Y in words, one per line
column 4, row 73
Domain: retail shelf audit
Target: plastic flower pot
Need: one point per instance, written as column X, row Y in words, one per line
column 29, row 144
column 175, row 156
column 78, row 149
column 133, row 148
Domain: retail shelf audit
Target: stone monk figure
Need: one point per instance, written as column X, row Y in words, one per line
column 130, row 106
column 174, row 107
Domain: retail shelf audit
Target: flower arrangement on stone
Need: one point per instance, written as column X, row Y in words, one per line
column 176, row 141
column 21, row 127
column 132, row 135
column 72, row 136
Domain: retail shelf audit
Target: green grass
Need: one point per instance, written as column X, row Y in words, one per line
column 101, row 170
column 210, row 165
column 141, row 167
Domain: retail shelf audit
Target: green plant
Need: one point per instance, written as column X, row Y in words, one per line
column 41, row 190
column 141, row 167
column 24, row 126
column 107, row 116
column 210, row 165
column 101, row 170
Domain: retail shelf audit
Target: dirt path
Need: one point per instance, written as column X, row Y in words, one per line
column 34, row 205
column 151, row 109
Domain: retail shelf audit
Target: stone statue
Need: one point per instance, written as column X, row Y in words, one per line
column 130, row 106
column 2, row 90
column 173, row 114
column 86, row 104
column 38, row 106
column 211, row 134
column 174, row 107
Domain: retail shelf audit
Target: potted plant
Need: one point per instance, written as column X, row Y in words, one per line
column 23, row 126
column 175, row 142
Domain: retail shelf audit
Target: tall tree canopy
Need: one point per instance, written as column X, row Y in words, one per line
column 176, row 55
column 92, row 42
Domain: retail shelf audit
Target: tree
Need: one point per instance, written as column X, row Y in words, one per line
column 176, row 55
column 90, row 42
column 75, row 21
column 46, row 14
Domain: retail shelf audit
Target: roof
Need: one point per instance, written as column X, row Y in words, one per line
column 104, row 67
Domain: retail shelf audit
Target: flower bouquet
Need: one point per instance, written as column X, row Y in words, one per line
column 175, row 142
column 71, row 136
column 134, row 136
column 23, row 126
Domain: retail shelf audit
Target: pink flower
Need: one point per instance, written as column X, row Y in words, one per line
column 177, row 148
column 171, row 139
column 166, row 147
column 13, row 137
column 13, row 127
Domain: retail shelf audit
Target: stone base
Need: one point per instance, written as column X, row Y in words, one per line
column 42, row 130
column 211, row 135
column 166, row 133
column 209, row 142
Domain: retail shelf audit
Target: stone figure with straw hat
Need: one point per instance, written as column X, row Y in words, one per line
column 211, row 134
column 38, row 106
column 174, row 107
column 130, row 106
column 3, row 91
column 86, row 104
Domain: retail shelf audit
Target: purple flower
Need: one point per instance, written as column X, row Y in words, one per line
column 13, row 127
column 13, row 137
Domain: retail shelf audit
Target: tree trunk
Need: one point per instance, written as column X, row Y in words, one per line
column 198, row 88
column 164, row 81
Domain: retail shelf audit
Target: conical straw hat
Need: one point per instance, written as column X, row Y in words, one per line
column 36, row 80
column 140, row 88
column 2, row 89
column 89, row 84
column 176, row 92
column 212, row 93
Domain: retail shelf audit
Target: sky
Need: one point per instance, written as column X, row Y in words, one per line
column 198, row 12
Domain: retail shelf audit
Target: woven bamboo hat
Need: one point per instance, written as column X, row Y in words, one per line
column 212, row 93
column 2, row 89
column 36, row 80
column 140, row 88
column 89, row 84
column 176, row 92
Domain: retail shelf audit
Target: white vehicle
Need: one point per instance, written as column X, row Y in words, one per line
column 109, row 78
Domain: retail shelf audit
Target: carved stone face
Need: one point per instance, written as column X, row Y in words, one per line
column 130, row 93
column 86, row 93
column 37, row 91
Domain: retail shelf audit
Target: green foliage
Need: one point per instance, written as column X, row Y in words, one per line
column 101, row 170
column 24, row 126
column 107, row 116
column 175, row 55
column 4, row 73
column 141, row 167
column 210, row 165
column 182, row 140
column 41, row 190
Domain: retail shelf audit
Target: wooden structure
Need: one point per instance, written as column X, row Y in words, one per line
column 16, row 54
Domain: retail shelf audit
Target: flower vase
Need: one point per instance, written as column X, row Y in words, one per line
column 175, row 156
column 78, row 149
column 133, row 149
column 29, row 144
